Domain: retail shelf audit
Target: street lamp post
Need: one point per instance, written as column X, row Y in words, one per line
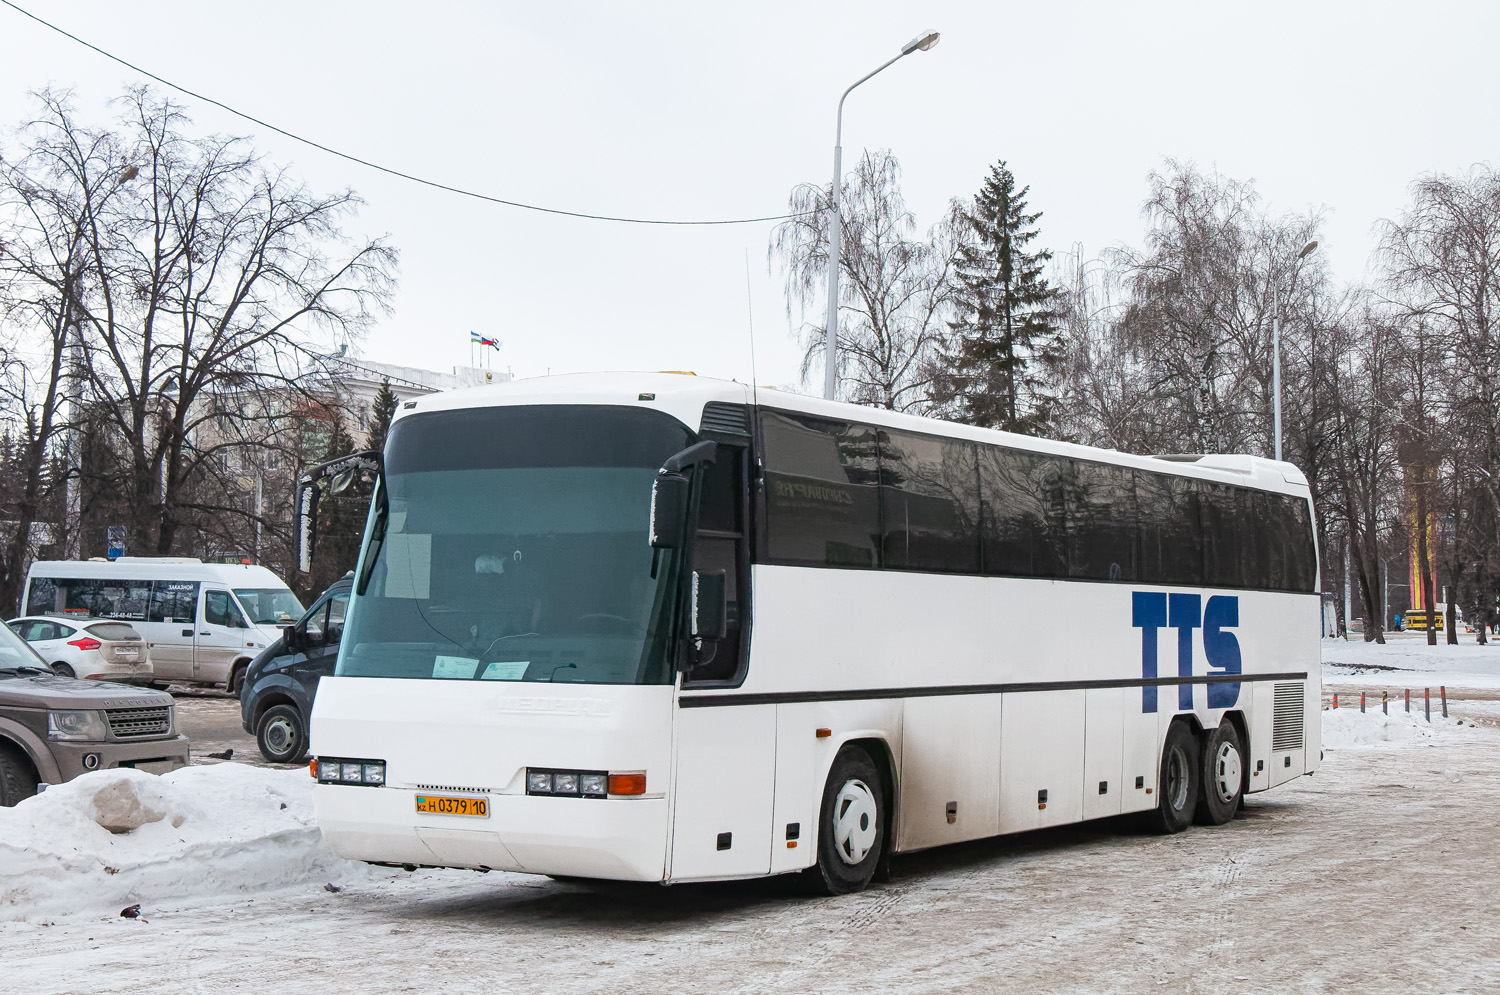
column 1307, row 250
column 921, row 43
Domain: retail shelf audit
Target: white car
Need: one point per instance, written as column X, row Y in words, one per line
column 88, row 647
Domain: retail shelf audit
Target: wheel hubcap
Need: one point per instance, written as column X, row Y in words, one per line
column 1227, row 772
column 854, row 826
column 279, row 735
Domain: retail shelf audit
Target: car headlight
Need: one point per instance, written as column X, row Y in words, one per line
column 77, row 724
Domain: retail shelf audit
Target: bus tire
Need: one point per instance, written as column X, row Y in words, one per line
column 851, row 825
column 1178, row 787
column 1223, row 775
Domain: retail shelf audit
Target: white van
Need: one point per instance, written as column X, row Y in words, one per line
column 204, row 622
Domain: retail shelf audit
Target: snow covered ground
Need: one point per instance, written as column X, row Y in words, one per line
column 1407, row 661
column 1377, row 873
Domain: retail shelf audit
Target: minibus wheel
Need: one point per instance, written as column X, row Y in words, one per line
column 851, row 824
column 1223, row 774
column 1179, row 786
column 281, row 734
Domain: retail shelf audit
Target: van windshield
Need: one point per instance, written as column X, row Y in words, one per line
column 269, row 605
column 514, row 547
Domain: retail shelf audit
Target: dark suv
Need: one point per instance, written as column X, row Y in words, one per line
column 276, row 697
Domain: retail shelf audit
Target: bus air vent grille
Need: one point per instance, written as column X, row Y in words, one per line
column 1286, row 722
column 454, row 787
column 725, row 418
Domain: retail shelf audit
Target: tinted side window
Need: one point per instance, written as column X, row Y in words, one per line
column 41, row 596
column 1025, row 521
column 821, row 502
column 1170, row 534
column 1288, row 529
column 174, row 601
column 1101, row 523
column 1223, row 562
column 929, row 502
column 219, row 610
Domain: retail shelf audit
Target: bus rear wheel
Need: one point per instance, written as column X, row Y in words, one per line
column 851, row 826
column 1178, row 788
column 1223, row 775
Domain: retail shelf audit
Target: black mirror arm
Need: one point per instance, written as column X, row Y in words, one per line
column 701, row 452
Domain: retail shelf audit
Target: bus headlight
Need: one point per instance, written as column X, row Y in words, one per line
column 538, row 783
column 83, row 725
column 334, row 770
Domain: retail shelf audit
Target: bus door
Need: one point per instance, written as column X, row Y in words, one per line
column 171, row 628
column 726, row 756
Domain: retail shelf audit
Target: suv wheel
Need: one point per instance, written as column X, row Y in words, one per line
column 281, row 734
column 17, row 779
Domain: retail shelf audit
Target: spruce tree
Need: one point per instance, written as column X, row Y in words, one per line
column 381, row 412
column 1006, row 340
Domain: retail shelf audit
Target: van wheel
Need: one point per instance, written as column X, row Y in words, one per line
column 1223, row 775
column 851, row 825
column 281, row 734
column 1178, row 787
column 63, row 670
column 17, row 778
column 236, row 679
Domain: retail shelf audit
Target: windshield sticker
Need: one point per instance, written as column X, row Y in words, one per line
column 508, row 671
column 409, row 569
column 457, row 667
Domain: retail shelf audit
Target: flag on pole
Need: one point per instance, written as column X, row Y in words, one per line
column 476, row 339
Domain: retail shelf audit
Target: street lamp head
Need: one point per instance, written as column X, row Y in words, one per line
column 921, row 42
column 1308, row 249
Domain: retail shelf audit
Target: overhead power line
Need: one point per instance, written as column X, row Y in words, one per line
column 386, row 169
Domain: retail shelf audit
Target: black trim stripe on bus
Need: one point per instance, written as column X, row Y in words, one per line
column 795, row 697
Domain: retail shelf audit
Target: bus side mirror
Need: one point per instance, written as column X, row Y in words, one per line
column 710, row 604
column 669, row 500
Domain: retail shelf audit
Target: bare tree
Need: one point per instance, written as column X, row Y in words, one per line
column 210, row 281
column 1442, row 265
column 894, row 288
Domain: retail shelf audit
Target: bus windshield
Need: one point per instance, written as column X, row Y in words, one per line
column 512, row 545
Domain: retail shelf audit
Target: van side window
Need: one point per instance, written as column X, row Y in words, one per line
column 174, row 601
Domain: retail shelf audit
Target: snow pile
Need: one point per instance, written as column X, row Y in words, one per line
column 1349, row 727
column 115, row 838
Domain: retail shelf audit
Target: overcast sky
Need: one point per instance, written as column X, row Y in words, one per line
column 698, row 110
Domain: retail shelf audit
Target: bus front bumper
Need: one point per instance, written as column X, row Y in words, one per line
column 623, row 839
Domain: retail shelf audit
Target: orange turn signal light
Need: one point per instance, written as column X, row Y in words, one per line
column 312, row 768
column 824, row 733
column 628, row 784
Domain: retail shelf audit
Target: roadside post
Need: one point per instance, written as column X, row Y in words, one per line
column 1443, row 690
column 1361, row 702
column 1427, row 700
column 1384, row 706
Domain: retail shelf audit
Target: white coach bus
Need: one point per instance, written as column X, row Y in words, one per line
column 651, row 627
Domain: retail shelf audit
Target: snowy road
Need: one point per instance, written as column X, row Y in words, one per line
column 1377, row 874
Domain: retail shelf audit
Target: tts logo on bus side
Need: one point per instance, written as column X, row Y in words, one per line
column 1153, row 611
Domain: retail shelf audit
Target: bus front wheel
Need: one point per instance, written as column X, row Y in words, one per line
column 1179, row 786
column 1223, row 775
column 852, row 826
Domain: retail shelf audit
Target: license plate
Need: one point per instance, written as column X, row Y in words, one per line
column 453, row 805
column 127, row 653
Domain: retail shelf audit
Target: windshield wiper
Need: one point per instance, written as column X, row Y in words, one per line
column 25, row 670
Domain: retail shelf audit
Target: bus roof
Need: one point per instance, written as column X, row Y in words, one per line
column 684, row 395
